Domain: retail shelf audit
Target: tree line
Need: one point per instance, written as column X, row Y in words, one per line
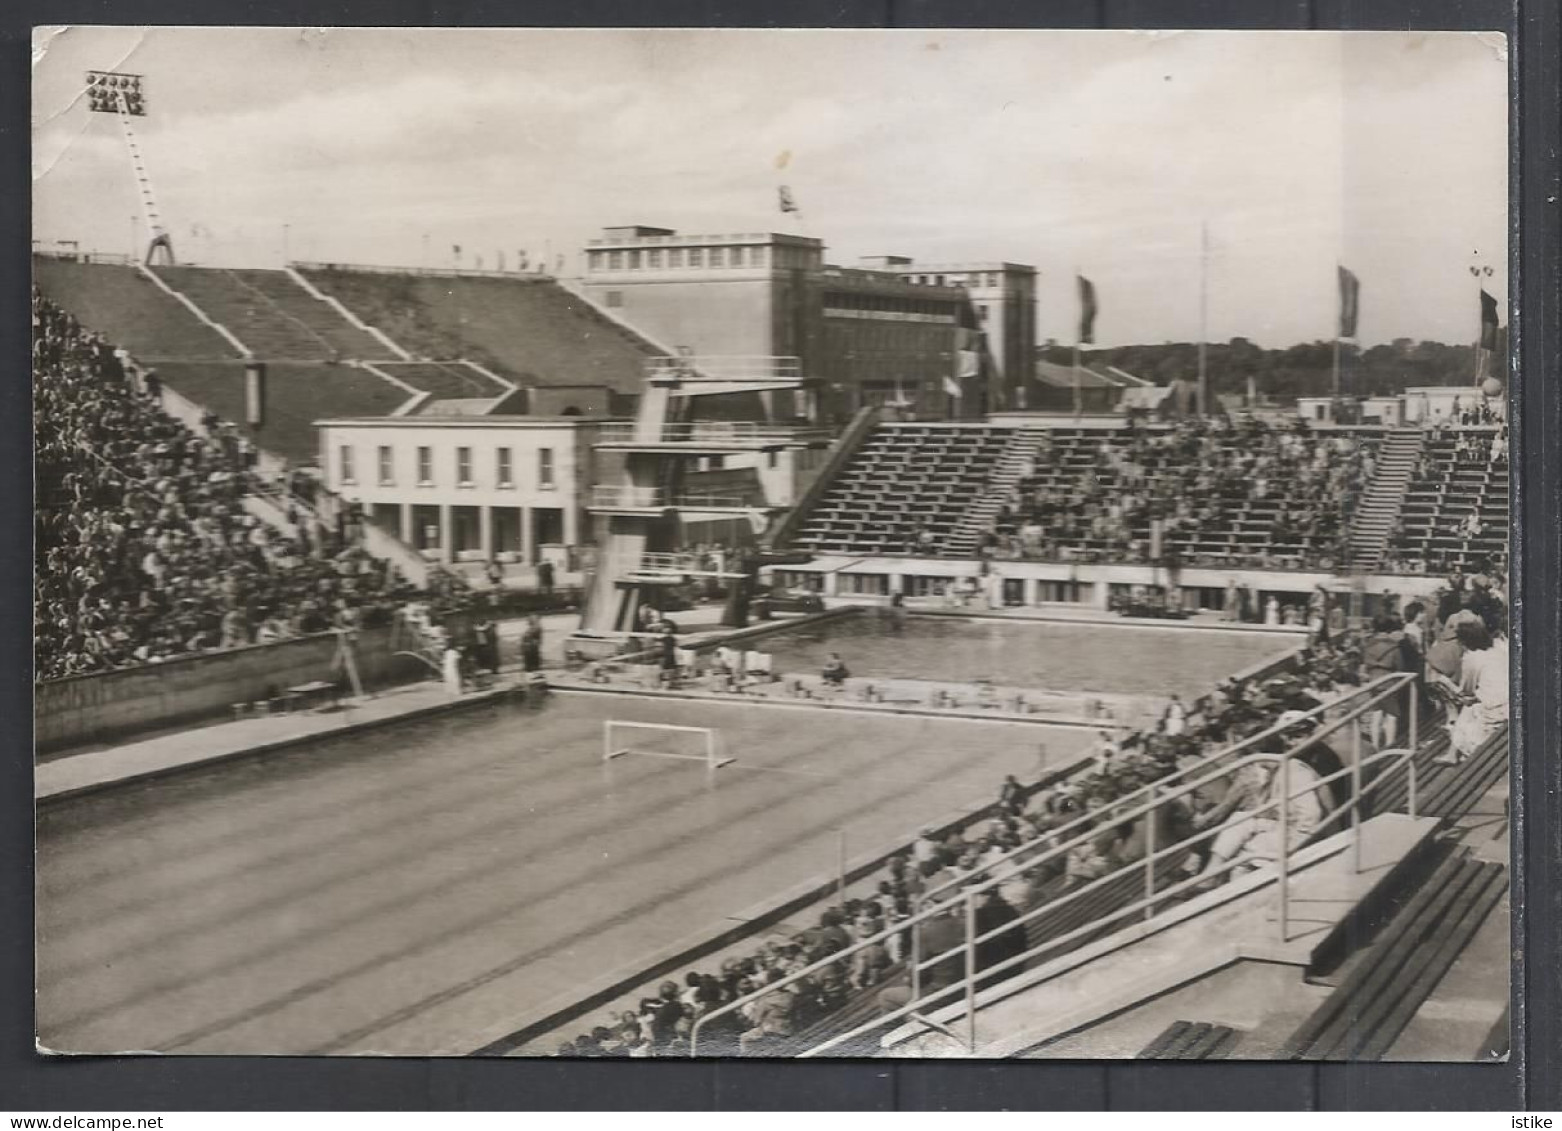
column 1305, row 369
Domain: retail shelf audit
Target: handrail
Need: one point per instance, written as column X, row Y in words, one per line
column 608, row 495
column 714, row 431
column 726, row 367
column 1386, row 686
column 841, row 452
column 1149, row 790
column 1280, row 805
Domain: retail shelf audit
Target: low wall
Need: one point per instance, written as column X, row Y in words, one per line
column 113, row 705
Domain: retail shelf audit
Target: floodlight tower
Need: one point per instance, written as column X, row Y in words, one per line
column 120, row 94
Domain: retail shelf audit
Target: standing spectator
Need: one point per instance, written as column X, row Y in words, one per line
column 1382, row 654
column 531, row 644
column 993, row 914
column 545, row 576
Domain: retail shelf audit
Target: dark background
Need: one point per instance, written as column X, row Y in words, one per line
column 1532, row 1080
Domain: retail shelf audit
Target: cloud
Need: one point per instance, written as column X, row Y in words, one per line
column 1102, row 152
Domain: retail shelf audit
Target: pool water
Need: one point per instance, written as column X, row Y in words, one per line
column 424, row 887
column 1103, row 658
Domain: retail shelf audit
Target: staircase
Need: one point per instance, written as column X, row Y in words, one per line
column 981, row 515
column 1380, row 506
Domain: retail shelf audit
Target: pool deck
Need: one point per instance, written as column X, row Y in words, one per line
column 170, row 752
column 931, row 698
column 73, row 773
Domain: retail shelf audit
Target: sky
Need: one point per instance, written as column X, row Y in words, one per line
column 1108, row 154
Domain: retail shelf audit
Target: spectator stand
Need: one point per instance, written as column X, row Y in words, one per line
column 133, row 568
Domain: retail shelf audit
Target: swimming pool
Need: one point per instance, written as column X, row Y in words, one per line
column 1104, row 658
column 423, row 888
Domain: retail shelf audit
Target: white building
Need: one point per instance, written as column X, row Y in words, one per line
column 468, row 488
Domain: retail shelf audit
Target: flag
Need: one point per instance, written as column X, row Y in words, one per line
column 970, row 363
column 1488, row 321
column 1087, row 311
column 952, row 387
column 1350, row 302
column 784, row 199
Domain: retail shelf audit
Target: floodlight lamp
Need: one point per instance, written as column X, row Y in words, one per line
column 111, row 92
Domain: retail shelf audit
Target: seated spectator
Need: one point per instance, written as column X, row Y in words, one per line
column 1254, row 834
column 835, row 672
column 1482, row 691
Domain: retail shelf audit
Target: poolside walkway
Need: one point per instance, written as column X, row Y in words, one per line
column 171, row 751
column 891, row 696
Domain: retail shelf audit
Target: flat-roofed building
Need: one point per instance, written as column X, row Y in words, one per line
column 869, row 335
column 467, row 488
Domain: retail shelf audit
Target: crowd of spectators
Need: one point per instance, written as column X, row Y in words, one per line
column 1192, row 479
column 143, row 549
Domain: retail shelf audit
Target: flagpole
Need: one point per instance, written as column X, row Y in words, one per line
column 1079, row 326
column 1203, row 318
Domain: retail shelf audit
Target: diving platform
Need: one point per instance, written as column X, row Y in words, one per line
column 713, row 375
column 653, row 502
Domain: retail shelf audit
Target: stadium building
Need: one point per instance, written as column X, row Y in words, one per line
column 937, row 342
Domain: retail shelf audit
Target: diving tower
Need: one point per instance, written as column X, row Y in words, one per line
column 636, row 519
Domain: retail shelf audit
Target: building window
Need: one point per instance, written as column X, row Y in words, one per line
column 504, row 468
column 634, row 261
column 757, row 256
column 545, row 468
column 425, row 467
column 464, row 467
column 675, row 257
column 615, row 299
column 696, row 257
column 981, row 311
column 737, row 257
column 345, row 456
column 718, row 257
column 387, row 467
column 615, row 261
column 653, row 258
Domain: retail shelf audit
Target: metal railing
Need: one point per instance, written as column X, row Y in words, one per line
column 608, row 496
column 1027, row 849
column 679, row 563
column 1277, row 809
column 726, row 367
column 720, row 433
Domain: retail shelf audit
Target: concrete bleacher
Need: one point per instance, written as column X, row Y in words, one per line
column 1244, row 533
column 1438, row 502
column 273, row 316
column 294, row 303
column 298, row 394
column 1192, row 1040
column 1371, row 1005
column 528, row 329
column 902, row 480
column 445, row 380
column 130, row 310
column 934, row 477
